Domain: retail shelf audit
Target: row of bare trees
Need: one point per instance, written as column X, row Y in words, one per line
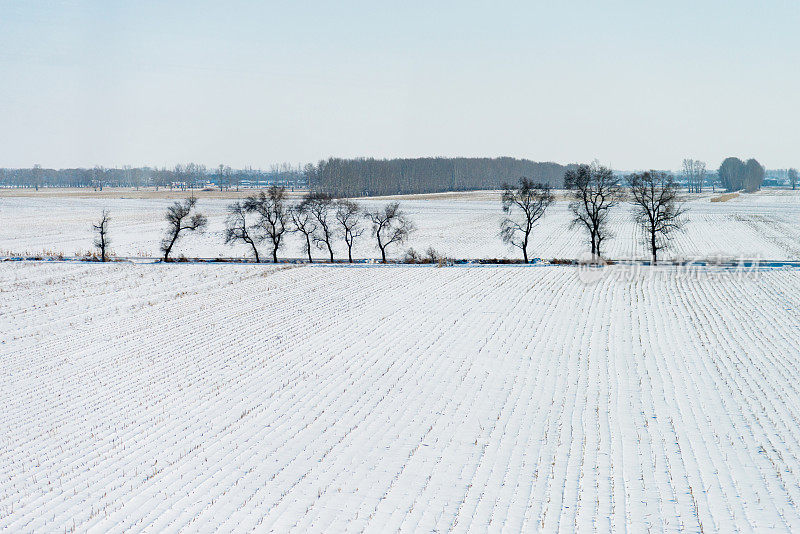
column 694, row 171
column 318, row 218
column 267, row 218
column 594, row 191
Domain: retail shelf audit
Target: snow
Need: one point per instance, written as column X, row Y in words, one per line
column 763, row 225
column 310, row 398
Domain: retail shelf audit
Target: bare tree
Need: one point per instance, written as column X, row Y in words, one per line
column 273, row 215
column 36, row 176
column 793, row 178
column 224, row 174
column 348, row 213
column 131, row 177
column 695, row 173
column 309, row 172
column 304, row 222
column 594, row 191
column 531, row 199
column 321, row 207
column 700, row 173
column 102, row 240
column 658, row 208
column 98, row 177
column 181, row 218
column 687, row 166
column 237, row 229
column 389, row 225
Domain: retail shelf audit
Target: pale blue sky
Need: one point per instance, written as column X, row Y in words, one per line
column 634, row 84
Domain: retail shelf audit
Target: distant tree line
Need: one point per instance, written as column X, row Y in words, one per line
column 734, row 175
column 188, row 176
column 358, row 177
column 335, row 176
column 367, row 176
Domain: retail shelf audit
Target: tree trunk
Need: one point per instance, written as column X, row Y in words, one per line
column 169, row 248
column 525, row 248
column 653, row 248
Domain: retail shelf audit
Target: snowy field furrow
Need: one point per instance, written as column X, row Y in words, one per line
column 761, row 225
column 183, row 397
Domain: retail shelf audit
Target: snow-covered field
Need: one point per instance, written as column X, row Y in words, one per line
column 764, row 225
column 381, row 398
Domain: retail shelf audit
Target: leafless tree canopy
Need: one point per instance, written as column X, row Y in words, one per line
column 695, row 173
column 524, row 205
column 238, row 230
column 594, row 191
column 181, row 218
column 321, row 207
column 389, row 225
column 273, row 216
column 736, row 174
column 305, row 223
column 348, row 214
column 793, row 178
column 659, row 211
column 102, row 241
column 224, row 177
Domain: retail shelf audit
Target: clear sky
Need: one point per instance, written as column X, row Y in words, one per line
column 635, row 84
